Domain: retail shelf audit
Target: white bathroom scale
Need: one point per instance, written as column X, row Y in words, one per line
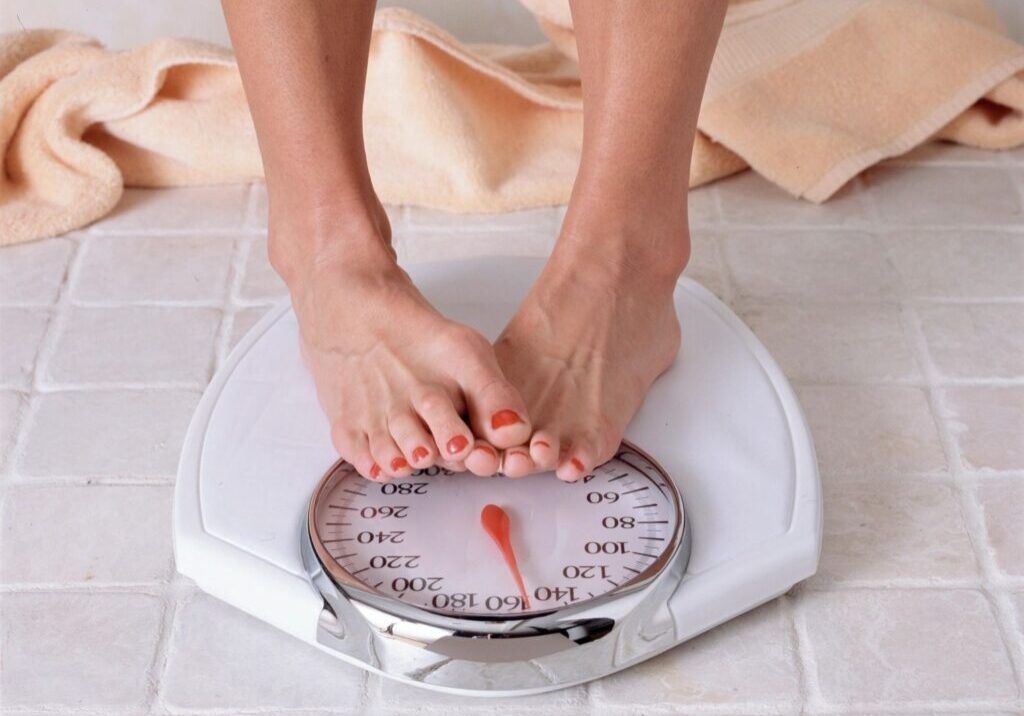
column 493, row 586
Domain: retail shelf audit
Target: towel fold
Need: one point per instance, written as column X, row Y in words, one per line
column 806, row 92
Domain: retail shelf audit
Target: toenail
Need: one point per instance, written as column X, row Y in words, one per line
column 487, row 449
column 420, row 454
column 398, row 463
column 577, row 464
column 375, row 471
column 504, row 418
column 457, row 444
column 542, row 443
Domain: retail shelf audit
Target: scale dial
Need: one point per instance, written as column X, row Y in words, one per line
column 460, row 545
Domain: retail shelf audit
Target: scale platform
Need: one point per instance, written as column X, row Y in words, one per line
column 723, row 422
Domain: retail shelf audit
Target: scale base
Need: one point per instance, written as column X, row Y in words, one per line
column 723, row 421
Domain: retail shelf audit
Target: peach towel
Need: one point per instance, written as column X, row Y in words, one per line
column 806, row 92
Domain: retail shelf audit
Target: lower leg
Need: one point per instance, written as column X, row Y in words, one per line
column 600, row 324
column 394, row 376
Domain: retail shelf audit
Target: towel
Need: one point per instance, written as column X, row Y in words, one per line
column 808, row 93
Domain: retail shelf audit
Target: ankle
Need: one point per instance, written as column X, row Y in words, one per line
column 649, row 250
column 300, row 239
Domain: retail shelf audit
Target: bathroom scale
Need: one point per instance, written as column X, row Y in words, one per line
column 489, row 585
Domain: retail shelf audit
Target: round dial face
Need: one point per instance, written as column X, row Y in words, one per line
column 458, row 544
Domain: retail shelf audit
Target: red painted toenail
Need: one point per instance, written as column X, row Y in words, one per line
column 487, row 449
column 375, row 471
column 398, row 463
column 504, row 418
column 577, row 464
column 542, row 443
column 457, row 444
column 420, row 454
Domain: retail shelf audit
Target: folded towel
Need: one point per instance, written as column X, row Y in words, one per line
column 806, row 92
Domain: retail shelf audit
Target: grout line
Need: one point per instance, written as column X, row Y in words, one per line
column 971, row 512
column 807, row 665
column 236, row 278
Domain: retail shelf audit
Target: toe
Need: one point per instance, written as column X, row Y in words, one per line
column 576, row 461
column 413, row 439
column 354, row 448
column 516, row 462
column 386, row 454
column 452, row 436
column 496, row 410
column 544, row 450
column 483, row 459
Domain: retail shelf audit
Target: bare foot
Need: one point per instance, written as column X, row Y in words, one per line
column 588, row 341
column 393, row 375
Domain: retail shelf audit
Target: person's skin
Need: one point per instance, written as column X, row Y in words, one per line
column 393, row 375
column 599, row 325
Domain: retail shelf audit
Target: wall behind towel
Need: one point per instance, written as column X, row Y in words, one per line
column 126, row 23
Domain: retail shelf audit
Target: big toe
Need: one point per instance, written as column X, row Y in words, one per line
column 497, row 412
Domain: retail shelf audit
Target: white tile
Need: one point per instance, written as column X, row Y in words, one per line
column 87, row 534
column 894, row 529
column 12, row 408
column 1018, row 600
column 87, row 651
column 433, row 245
column 749, row 660
column 836, row 343
column 987, row 423
column 32, row 273
column 107, row 433
column 750, row 199
column 544, row 219
column 958, row 264
column 944, row 196
column 243, row 321
column 21, row 331
column 702, row 206
column 975, row 340
column 1002, row 503
column 153, row 268
column 803, row 265
column 894, row 646
column 134, row 344
column 872, row 430
column 199, row 208
column 261, row 282
column 221, row 658
column 389, row 697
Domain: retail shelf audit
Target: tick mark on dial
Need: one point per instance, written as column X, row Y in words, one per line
column 652, row 522
column 639, row 489
column 634, row 571
column 640, row 507
column 354, row 492
column 612, row 581
column 618, row 477
column 644, row 554
column 375, row 586
column 342, row 507
column 656, row 539
column 359, row 570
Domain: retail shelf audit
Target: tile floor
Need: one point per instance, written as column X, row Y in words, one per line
column 897, row 311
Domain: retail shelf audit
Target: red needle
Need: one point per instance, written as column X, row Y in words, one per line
column 495, row 522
